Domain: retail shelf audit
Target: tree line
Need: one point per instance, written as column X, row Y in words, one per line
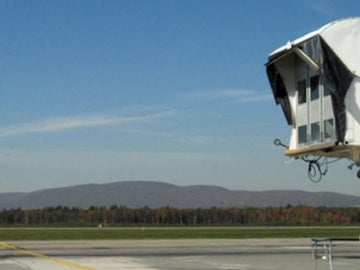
column 165, row 216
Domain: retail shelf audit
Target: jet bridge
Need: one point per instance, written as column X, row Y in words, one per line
column 316, row 81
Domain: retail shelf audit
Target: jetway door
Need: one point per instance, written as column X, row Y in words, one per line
column 314, row 114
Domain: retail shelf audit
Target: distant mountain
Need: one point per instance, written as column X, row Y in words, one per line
column 136, row 194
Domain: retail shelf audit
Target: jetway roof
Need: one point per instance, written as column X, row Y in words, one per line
column 342, row 36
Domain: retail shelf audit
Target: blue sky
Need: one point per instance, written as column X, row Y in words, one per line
column 173, row 91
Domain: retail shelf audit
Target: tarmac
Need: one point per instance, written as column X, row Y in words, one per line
column 198, row 254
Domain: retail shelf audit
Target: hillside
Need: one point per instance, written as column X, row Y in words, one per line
column 155, row 194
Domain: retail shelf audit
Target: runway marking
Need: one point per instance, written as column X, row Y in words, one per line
column 45, row 257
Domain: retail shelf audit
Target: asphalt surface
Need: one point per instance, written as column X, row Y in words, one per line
column 209, row 254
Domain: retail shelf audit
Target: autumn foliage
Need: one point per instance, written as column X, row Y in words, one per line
column 165, row 216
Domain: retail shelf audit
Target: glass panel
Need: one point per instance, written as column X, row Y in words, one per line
column 302, row 134
column 326, row 91
column 301, row 91
column 315, row 132
column 314, row 86
column 329, row 129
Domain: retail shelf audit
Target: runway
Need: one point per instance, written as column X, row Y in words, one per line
column 210, row 254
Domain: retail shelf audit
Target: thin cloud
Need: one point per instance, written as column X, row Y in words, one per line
column 57, row 124
column 228, row 95
column 174, row 136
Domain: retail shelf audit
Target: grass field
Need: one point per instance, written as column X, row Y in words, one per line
column 7, row 234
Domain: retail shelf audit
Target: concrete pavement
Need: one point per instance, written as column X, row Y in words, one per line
column 198, row 254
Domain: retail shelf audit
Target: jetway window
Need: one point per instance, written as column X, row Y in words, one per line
column 301, row 91
column 315, row 132
column 314, row 86
column 326, row 91
column 329, row 130
column 302, row 134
